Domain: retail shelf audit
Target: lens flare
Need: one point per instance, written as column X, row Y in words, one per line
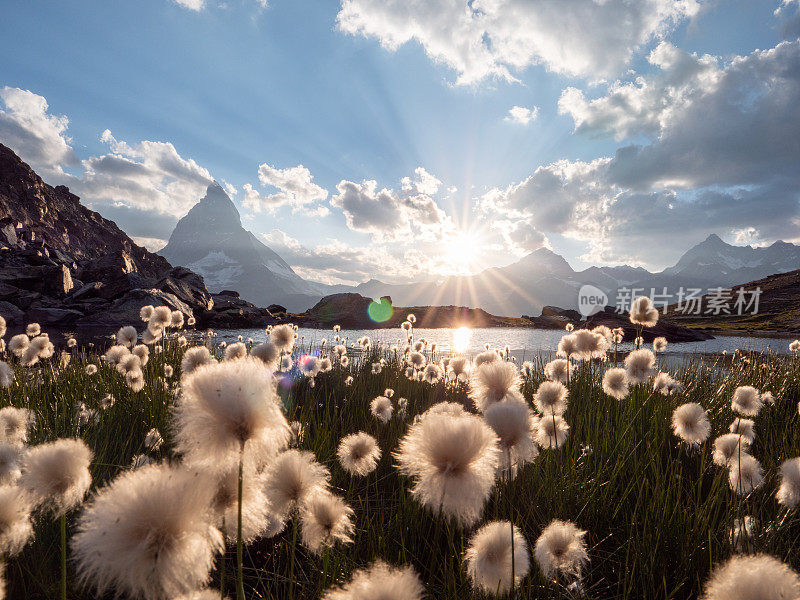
column 380, row 310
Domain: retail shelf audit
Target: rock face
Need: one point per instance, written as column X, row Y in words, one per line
column 64, row 265
column 211, row 241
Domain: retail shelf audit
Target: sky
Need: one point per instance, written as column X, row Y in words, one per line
column 410, row 139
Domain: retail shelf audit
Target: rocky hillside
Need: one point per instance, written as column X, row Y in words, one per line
column 778, row 308
column 64, row 265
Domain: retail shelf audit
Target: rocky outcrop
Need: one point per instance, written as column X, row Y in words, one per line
column 673, row 332
column 229, row 311
column 354, row 311
column 64, row 265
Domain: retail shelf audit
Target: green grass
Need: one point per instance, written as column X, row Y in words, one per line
column 657, row 515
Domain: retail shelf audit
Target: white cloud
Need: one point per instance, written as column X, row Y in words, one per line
column 145, row 175
column 387, row 214
column 295, row 189
column 38, row 137
column 195, row 5
column 151, row 243
column 498, row 38
column 645, row 105
column 522, row 115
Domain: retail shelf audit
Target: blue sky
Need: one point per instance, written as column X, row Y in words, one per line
column 345, row 90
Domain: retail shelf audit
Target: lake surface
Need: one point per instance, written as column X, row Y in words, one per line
column 524, row 343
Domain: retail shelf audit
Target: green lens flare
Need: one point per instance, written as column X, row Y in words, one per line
column 380, row 310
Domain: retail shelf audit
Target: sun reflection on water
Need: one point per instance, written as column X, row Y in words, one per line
column 461, row 339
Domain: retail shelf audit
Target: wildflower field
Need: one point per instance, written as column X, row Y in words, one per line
column 268, row 470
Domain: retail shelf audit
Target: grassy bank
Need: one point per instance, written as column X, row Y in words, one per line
column 658, row 513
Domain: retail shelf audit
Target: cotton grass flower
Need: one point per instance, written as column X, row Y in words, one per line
column 690, row 423
column 745, row 474
column 33, row 329
column 56, row 475
column 557, row 370
column 146, row 312
column 754, row 577
column 789, row 491
column 381, row 408
column 91, row 369
column 745, row 428
column 510, row 420
column 255, row 505
column 129, row 362
column 642, row 312
column 664, row 384
column 194, row 358
column 291, row 478
column 235, row 351
column 452, row 460
column 10, row 463
column 115, row 353
column 589, row 345
column 615, row 383
column 18, row 344
column 143, row 352
column 551, row 398
column 432, row 373
column 160, row 319
column 561, row 549
column 283, row 336
column 15, row 521
column 659, row 344
column 325, row 519
column 14, row 425
column 225, row 407
column 359, row 453
column 42, row 346
column 551, row 432
column 492, row 382
column 127, row 336
column 380, row 582
column 266, row 352
column 488, row 557
column 640, row 365
column 134, row 379
column 176, row 321
column 6, row 374
column 746, row 401
column 147, row 534
column 489, row 356
column 728, row 447
column 567, row 346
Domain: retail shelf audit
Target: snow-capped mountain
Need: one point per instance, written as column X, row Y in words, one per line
column 211, row 241
column 730, row 265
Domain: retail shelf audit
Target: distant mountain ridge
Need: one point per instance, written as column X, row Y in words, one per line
column 545, row 278
column 211, row 241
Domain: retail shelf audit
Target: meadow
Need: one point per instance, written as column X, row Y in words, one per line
column 657, row 515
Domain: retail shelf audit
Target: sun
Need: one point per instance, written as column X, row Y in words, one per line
column 462, row 253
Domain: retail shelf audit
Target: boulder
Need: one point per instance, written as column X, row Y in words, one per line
column 12, row 314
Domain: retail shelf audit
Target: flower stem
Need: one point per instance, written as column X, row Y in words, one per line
column 239, row 550
column 64, row 557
